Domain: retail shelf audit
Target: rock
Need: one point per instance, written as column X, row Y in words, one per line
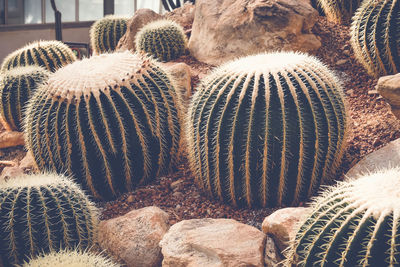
column 212, row 242
column 11, row 139
column 341, row 62
column 141, row 18
column 10, row 172
column 175, row 185
column 130, row 199
column 272, row 255
column 183, row 15
column 227, row 29
column 281, row 224
column 389, row 88
column 134, row 237
column 383, row 158
column 27, row 162
column 8, row 163
column 181, row 73
column 372, row 92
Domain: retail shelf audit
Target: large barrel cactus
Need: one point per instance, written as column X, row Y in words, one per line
column 266, row 130
column 106, row 32
column 357, row 223
column 16, row 87
column 339, row 11
column 51, row 55
column 163, row 39
column 43, row 212
column 111, row 121
column 375, row 36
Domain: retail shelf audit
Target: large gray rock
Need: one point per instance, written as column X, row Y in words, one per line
column 134, row 237
column 213, row 243
column 389, row 88
column 226, row 29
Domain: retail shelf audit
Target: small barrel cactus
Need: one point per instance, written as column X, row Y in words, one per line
column 265, row 130
column 339, row 11
column 71, row 258
column 16, row 87
column 106, row 32
column 111, row 121
column 163, row 39
column 51, row 55
column 375, row 36
column 356, row 223
column 43, row 212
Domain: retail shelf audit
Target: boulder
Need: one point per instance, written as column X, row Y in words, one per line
column 28, row 162
column 226, row 29
column 281, row 224
column 272, row 255
column 183, row 15
column 133, row 238
column 389, row 88
column 141, row 18
column 11, row 139
column 10, row 172
column 181, row 73
column 213, row 243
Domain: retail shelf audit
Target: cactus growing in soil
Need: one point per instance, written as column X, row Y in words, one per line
column 71, row 258
column 43, row 212
column 163, row 39
column 51, row 55
column 339, row 11
column 375, row 36
column 16, row 87
column 356, row 223
column 111, row 121
column 106, row 32
column 266, row 130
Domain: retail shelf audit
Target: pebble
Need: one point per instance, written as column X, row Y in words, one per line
column 130, row 199
column 341, row 62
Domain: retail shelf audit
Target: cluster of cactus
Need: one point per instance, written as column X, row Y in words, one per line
column 112, row 121
column 375, row 36
column 41, row 213
column 16, row 88
column 163, row 39
column 106, row 32
column 266, row 130
column 51, row 55
column 356, row 223
column 71, row 258
column 339, row 11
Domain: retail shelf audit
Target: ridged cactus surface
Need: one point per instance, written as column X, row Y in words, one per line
column 43, row 212
column 339, row 11
column 356, row 223
column 163, row 39
column 111, row 121
column 106, row 32
column 375, row 36
column 16, row 87
column 51, row 55
column 266, row 130
column 71, row 258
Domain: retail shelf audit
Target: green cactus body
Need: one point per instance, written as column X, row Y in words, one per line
column 265, row 130
column 111, row 121
column 375, row 36
column 356, row 223
column 106, row 32
column 339, row 11
column 163, row 39
column 16, row 87
column 43, row 212
column 51, row 55
column 71, row 258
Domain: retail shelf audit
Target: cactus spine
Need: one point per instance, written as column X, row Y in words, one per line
column 339, row 11
column 106, row 32
column 51, row 55
column 111, row 121
column 163, row 39
column 43, row 212
column 16, row 87
column 265, row 130
column 375, row 36
column 356, row 223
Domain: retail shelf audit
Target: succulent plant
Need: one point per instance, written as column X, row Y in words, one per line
column 375, row 36
column 356, row 223
column 163, row 39
column 51, row 55
column 111, row 121
column 106, row 32
column 16, row 87
column 43, row 212
column 339, row 11
column 266, row 130
column 71, row 258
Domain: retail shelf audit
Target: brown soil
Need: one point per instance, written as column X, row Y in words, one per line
column 371, row 127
